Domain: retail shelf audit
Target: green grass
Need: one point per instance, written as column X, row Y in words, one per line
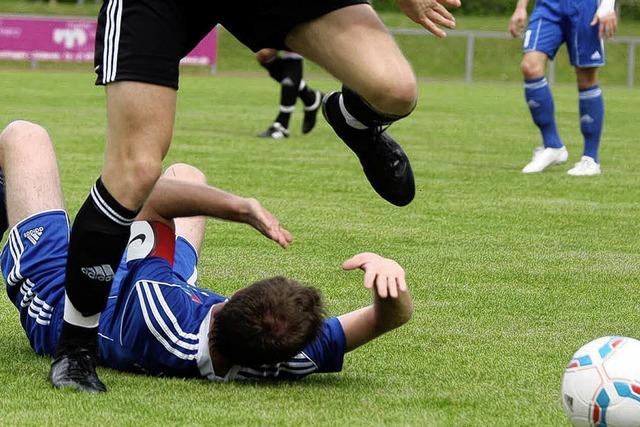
column 510, row 273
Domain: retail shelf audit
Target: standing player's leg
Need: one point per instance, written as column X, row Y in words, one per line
column 541, row 42
column 591, row 106
column 139, row 45
column 140, row 125
column 379, row 89
column 586, row 51
column 286, row 69
column 312, row 100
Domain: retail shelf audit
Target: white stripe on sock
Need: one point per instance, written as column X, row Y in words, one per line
column 73, row 316
column 351, row 121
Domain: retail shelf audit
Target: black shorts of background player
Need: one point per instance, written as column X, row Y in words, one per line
column 139, row 45
column 286, row 68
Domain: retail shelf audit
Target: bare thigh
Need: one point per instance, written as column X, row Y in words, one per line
column 28, row 162
column 353, row 44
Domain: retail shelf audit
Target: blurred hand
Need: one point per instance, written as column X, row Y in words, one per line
column 518, row 22
column 430, row 14
column 608, row 23
column 267, row 224
column 385, row 274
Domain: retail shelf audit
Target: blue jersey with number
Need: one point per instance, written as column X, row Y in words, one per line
column 156, row 320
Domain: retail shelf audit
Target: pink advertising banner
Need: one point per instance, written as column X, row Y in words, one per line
column 35, row 38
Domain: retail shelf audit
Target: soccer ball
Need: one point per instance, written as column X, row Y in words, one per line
column 601, row 384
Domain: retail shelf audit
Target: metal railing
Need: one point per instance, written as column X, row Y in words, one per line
column 471, row 36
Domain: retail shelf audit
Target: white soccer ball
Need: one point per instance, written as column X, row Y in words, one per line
column 601, row 384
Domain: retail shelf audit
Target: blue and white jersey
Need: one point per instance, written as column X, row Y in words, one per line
column 156, row 321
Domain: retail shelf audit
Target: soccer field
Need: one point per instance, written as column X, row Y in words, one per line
column 510, row 274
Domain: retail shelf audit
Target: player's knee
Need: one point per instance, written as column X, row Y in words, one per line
column 586, row 77
column 532, row 69
column 23, row 135
column 186, row 172
column 398, row 96
column 140, row 175
column 265, row 55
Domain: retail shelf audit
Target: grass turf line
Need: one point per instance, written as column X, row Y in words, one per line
column 510, row 273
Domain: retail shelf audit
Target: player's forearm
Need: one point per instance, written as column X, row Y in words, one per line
column 173, row 198
column 390, row 313
column 368, row 323
column 522, row 4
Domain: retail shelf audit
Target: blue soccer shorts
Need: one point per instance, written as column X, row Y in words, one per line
column 548, row 30
column 33, row 266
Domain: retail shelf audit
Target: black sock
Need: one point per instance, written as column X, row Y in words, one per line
column 357, row 107
column 289, row 86
column 306, row 94
column 98, row 239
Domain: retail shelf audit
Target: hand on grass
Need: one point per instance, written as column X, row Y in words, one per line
column 518, row 22
column 384, row 274
column 431, row 14
column 267, row 224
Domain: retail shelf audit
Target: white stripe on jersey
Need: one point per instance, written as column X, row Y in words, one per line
column 168, row 346
column 163, row 325
column 169, row 313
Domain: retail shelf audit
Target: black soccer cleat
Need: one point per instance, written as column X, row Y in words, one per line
column 311, row 112
column 383, row 160
column 275, row 131
column 76, row 369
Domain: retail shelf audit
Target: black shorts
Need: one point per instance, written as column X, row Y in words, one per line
column 144, row 40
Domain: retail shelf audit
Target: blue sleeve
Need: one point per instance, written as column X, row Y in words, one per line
column 327, row 351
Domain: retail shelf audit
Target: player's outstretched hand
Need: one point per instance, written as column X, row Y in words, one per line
column 431, row 14
column 518, row 21
column 267, row 224
column 608, row 21
column 385, row 274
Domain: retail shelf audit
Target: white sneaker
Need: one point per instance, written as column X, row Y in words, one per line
column 585, row 167
column 545, row 157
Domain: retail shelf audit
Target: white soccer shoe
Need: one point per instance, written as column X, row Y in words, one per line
column 545, row 157
column 585, row 167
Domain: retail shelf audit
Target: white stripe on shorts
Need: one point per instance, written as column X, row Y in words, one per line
column 111, row 41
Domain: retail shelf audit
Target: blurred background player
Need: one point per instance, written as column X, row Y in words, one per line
column 157, row 321
column 582, row 25
column 286, row 68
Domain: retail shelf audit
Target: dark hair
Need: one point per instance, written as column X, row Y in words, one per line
column 268, row 322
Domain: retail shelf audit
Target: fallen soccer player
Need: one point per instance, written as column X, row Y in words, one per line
column 157, row 321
